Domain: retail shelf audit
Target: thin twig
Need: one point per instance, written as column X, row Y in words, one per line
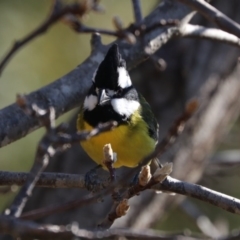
column 43, row 154
column 79, row 27
column 19, row 202
column 214, row 15
column 60, row 180
column 56, row 208
column 195, row 31
column 55, row 139
column 137, row 10
column 57, row 12
column 215, row 198
column 176, row 129
column 160, row 23
column 223, row 201
column 146, row 181
column 66, row 138
column 30, row 230
column 48, row 180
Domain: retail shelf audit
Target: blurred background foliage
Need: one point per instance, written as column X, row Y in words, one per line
column 51, row 56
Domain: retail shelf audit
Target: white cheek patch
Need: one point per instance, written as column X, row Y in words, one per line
column 124, row 80
column 90, row 102
column 124, row 106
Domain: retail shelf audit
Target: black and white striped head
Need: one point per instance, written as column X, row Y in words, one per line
column 112, row 88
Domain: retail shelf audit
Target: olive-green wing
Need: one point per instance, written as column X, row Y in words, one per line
column 80, row 119
column 149, row 118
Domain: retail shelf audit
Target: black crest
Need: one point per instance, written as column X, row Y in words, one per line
column 107, row 73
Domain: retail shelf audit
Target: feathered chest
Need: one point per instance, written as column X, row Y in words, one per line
column 130, row 140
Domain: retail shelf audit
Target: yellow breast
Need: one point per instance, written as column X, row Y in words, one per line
column 130, row 142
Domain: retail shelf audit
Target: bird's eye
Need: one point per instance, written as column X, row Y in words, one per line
column 109, row 92
column 119, row 91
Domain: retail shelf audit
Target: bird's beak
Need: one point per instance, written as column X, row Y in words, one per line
column 102, row 97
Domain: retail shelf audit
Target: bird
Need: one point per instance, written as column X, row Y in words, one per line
column 112, row 97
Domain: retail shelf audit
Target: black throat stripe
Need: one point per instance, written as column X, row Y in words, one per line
column 103, row 114
column 106, row 113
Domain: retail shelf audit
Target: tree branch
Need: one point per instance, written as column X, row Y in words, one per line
column 42, row 155
column 30, row 230
column 214, row 15
column 68, row 91
column 120, row 33
column 195, row 31
column 215, row 198
column 137, row 11
column 56, row 139
column 62, row 180
column 57, row 12
column 49, row 180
